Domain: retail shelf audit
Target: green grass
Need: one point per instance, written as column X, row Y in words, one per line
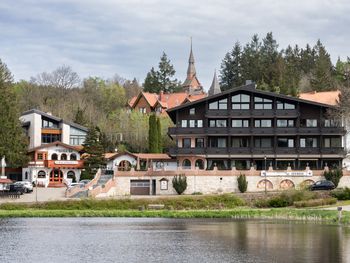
column 238, row 213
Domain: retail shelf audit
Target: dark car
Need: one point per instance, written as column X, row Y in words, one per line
column 17, row 188
column 322, row 185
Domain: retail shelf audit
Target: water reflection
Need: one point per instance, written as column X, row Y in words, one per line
column 169, row 240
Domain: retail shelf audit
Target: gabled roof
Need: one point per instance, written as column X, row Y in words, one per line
column 151, row 99
column 325, row 97
column 249, row 88
column 49, row 116
column 57, row 143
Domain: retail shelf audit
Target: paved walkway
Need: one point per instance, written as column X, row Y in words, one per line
column 345, row 208
column 42, row 195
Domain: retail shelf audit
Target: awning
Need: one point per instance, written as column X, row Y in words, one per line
column 5, row 181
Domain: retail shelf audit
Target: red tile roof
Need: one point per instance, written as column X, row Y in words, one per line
column 325, row 97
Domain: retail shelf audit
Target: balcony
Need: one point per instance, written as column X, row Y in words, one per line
column 217, row 131
column 262, row 131
column 282, row 131
column 309, row 130
column 217, row 113
column 263, row 113
column 190, row 151
column 286, row 150
column 217, row 150
column 262, row 151
column 309, row 150
column 333, row 150
column 287, row 113
column 240, row 150
column 239, row 131
column 64, row 163
column 240, row 113
column 333, row 130
column 180, row 130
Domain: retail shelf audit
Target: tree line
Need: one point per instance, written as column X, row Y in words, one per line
column 288, row 71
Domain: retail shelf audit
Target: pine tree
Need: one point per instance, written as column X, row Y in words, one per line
column 153, row 134
column 13, row 144
column 269, row 57
column 94, row 153
column 162, row 79
column 79, row 117
column 230, row 73
column 159, row 135
column 251, row 60
column 322, row 78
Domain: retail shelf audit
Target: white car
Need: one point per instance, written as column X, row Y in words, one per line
column 28, row 187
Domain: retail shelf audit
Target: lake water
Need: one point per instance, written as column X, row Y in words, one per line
column 169, row 240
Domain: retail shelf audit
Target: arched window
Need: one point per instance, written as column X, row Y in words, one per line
column 124, row 166
column 200, row 164
column 41, row 174
column 63, row 156
column 54, row 156
column 71, row 175
column 186, row 164
column 73, row 157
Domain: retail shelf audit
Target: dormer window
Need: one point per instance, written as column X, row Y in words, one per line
column 240, row 102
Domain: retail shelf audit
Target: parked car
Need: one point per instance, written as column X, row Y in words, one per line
column 322, row 185
column 76, row 184
column 17, row 188
column 28, row 186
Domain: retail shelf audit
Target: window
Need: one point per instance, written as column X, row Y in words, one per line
column 285, row 123
column 262, row 103
column 333, row 142
column 240, row 142
column 40, row 156
column 218, row 105
column 71, row 175
column 240, row 123
column 199, row 123
column 49, row 138
column 54, row 156
column 192, row 123
column 331, row 123
column 186, row 164
column 218, row 123
column 199, row 142
column 186, row 143
column 217, row 142
column 63, row 156
column 285, row 142
column 308, row 123
column 285, row 106
column 241, row 102
column 41, row 174
column 73, row 157
column 192, row 111
column 46, row 123
column 308, row 142
column 142, row 110
column 184, row 123
column 263, row 142
column 263, row 123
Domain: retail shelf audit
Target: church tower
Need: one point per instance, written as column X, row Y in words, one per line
column 215, row 86
column 192, row 84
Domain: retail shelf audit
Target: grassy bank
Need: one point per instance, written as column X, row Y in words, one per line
column 238, row 213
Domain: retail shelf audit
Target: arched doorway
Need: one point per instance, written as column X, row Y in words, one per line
column 262, row 183
column 286, row 184
column 186, row 164
column 124, row 166
column 71, row 175
column 200, row 164
column 56, row 176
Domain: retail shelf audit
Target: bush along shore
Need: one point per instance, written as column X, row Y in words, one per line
column 288, row 205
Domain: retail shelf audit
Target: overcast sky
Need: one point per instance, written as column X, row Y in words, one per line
column 105, row 37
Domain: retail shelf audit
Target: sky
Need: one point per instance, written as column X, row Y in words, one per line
column 107, row 37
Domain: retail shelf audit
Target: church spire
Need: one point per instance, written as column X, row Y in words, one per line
column 191, row 70
column 215, row 86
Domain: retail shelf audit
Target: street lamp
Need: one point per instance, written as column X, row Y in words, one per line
column 265, row 175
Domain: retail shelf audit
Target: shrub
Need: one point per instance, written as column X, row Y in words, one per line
column 197, row 193
column 180, row 183
column 242, row 183
column 279, row 201
column 341, row 194
column 333, row 175
column 315, row 202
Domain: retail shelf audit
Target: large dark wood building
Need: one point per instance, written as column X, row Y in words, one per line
column 245, row 127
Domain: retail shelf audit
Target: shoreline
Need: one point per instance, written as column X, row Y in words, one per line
column 278, row 214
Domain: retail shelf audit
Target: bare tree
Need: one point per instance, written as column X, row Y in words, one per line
column 63, row 77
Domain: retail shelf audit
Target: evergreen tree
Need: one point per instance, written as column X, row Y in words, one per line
column 79, row 117
column 13, row 144
column 153, row 142
column 251, row 60
column 231, row 75
column 322, row 78
column 94, row 153
column 269, row 57
column 163, row 78
column 159, row 135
